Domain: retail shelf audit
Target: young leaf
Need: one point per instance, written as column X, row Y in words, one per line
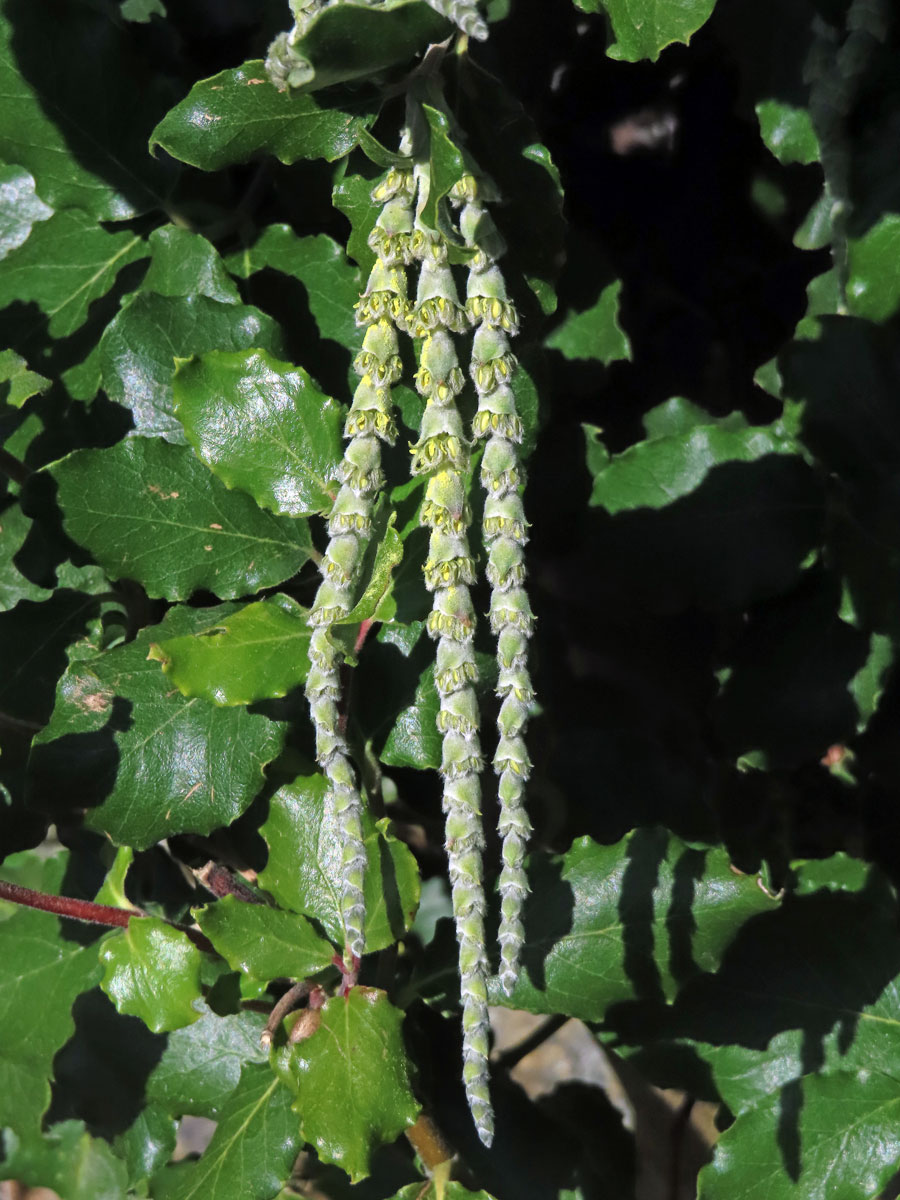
column 643, row 28
column 637, row 919
column 152, row 971
column 238, row 115
column 139, row 347
column 177, row 765
column 594, row 333
column 262, row 426
column 68, row 1160
column 264, row 942
column 251, row 1152
column 351, row 1078
column 332, row 283
column 303, row 871
column 150, row 511
column 257, row 653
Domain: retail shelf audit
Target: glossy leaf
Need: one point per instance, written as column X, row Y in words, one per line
column 20, row 208
column 239, row 115
column 352, row 1081
column 788, row 132
column 837, row 1136
column 140, row 345
column 152, row 971
column 147, row 762
column 594, row 333
column 150, row 511
column 262, row 426
column 186, row 264
column 332, row 283
column 873, row 286
column 201, row 1064
column 41, row 974
column 68, row 1160
column 633, row 920
column 251, row 1152
column 66, row 264
column 303, row 870
column 257, row 653
column 643, row 28
column 264, row 942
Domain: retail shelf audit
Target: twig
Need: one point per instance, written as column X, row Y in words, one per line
column 222, row 882
column 11, row 467
column 676, row 1137
column 508, row 1059
column 291, row 997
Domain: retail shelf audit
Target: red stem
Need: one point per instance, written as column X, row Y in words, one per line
column 86, row 910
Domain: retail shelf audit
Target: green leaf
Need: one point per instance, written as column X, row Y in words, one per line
column 251, row 1152
column 788, row 132
column 868, row 684
column 141, row 11
column 152, row 971
column 68, row 262
column 352, row 196
column 332, row 283
column 257, row 653
column 354, row 40
column 841, row 1140
column 22, row 383
column 68, row 1160
column 376, row 603
column 238, row 115
column 643, row 28
column 41, row 974
column 262, row 426
column 147, row 762
column 303, row 871
column 414, row 739
column 447, row 164
column 634, row 920
column 873, row 285
column 14, row 586
column 451, row 1191
column 20, row 208
column 140, row 345
column 150, row 511
column 112, row 890
column 594, row 333
column 264, row 942
column 351, row 1077
column 201, row 1064
column 186, row 264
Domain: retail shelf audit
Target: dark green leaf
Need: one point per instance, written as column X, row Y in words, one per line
column 257, row 653
column 150, row 511
column 140, row 345
column 873, row 286
column 41, row 974
column 152, row 971
column 238, row 115
column 147, row 1144
column 262, row 426
column 148, row 762
column 351, row 1078
column 68, row 1160
column 14, row 586
column 264, row 942
column 638, row 919
column 594, row 333
column 834, row 1136
column 643, row 28
column 186, row 264
column 414, row 740
column 303, row 872
column 251, row 1152
column 332, row 283
column 68, row 262
column 20, row 208
column 447, row 164
column 868, row 684
column 202, row 1063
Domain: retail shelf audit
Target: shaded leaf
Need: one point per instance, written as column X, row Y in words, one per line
column 152, row 512
column 257, row 653
column 251, row 1152
column 21, row 383
column 594, row 333
column 262, row 426
column 68, row 262
column 304, row 868
column 264, row 942
column 14, row 586
column 637, row 919
column 152, row 971
column 20, row 208
column 68, row 1160
column 376, row 603
column 643, row 28
column 873, row 285
column 147, row 762
column 139, row 347
column 238, row 115
column 351, row 1079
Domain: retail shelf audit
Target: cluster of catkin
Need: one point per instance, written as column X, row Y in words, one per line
column 437, row 319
